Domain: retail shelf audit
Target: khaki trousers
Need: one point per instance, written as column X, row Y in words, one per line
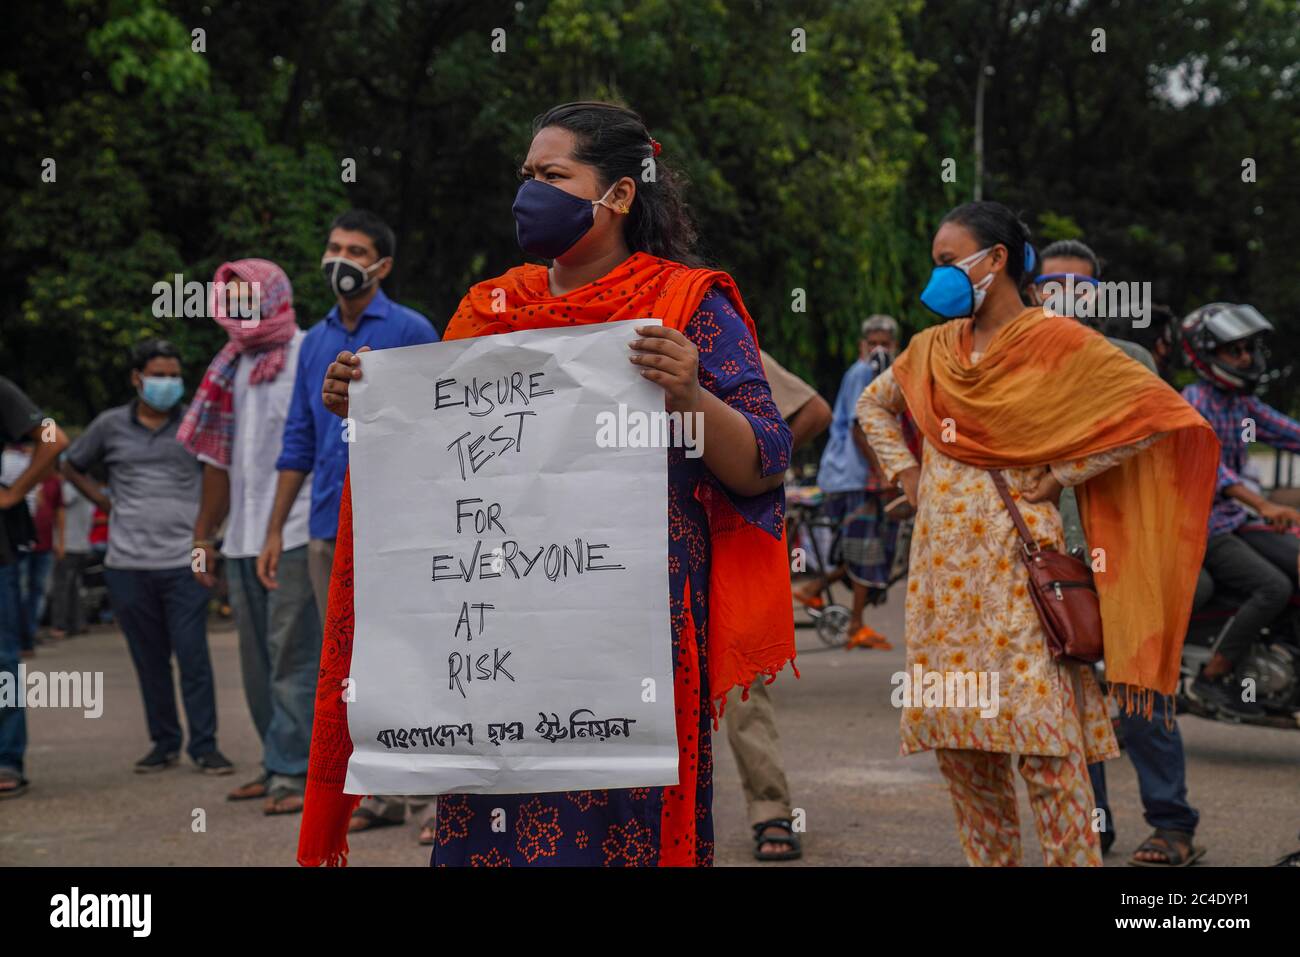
column 751, row 731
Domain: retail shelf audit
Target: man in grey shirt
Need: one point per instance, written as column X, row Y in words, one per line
column 152, row 503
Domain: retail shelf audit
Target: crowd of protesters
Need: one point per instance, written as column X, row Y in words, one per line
column 250, row 477
column 250, row 459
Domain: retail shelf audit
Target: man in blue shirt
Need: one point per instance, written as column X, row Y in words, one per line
column 358, row 256
column 845, row 478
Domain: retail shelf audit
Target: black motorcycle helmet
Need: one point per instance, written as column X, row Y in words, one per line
column 1215, row 325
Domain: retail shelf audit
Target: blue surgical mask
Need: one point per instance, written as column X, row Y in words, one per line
column 951, row 294
column 161, row 391
column 548, row 221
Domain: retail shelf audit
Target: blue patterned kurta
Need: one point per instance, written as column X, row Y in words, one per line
column 621, row 828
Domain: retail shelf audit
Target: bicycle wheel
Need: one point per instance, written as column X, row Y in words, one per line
column 833, row 626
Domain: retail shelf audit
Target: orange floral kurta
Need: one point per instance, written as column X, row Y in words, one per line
column 968, row 605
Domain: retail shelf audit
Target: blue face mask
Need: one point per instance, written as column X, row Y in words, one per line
column 161, row 391
column 548, row 221
column 951, row 294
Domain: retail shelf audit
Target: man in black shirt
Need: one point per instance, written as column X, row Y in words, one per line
column 19, row 419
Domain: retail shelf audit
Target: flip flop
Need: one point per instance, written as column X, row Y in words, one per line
column 256, row 788
column 17, row 790
column 815, row 602
column 283, row 800
column 868, row 637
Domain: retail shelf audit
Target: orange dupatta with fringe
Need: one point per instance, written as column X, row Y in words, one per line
column 751, row 624
column 1048, row 389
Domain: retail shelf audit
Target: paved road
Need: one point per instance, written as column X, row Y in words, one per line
column 864, row 804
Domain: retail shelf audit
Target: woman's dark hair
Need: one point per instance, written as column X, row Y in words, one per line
column 616, row 142
column 1073, row 249
column 152, row 349
column 992, row 224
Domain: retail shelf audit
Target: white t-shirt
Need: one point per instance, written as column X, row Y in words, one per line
column 260, row 412
column 13, row 463
column 78, row 517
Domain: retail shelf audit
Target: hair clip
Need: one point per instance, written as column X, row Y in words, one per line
column 654, row 144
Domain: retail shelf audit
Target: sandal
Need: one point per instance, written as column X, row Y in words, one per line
column 868, row 637
column 815, row 602
column 256, row 788
column 20, row 784
column 430, row 828
column 364, row 819
column 1176, row 846
column 793, row 851
column 283, row 800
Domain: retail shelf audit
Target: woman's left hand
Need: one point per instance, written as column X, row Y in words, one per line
column 671, row 361
column 1048, row 489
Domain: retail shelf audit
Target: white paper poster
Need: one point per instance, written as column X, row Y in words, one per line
column 511, row 569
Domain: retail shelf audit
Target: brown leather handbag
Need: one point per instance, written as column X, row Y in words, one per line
column 1062, row 590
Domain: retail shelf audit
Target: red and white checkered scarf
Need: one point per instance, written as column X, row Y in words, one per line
column 208, row 428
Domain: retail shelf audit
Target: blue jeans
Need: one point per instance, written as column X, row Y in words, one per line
column 164, row 612
column 35, row 575
column 279, row 653
column 1157, row 756
column 13, row 721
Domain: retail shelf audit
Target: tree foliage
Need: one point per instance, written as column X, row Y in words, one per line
column 816, row 170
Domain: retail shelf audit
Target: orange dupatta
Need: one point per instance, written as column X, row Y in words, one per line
column 1048, row 389
column 751, row 623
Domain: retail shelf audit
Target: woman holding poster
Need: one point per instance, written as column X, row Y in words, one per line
column 596, row 201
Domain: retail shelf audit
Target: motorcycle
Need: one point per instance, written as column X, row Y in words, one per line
column 1272, row 664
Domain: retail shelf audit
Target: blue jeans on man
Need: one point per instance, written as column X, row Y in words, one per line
column 34, row 576
column 13, row 721
column 1157, row 756
column 164, row 612
column 279, row 652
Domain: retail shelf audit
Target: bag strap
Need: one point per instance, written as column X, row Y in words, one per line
column 1027, row 540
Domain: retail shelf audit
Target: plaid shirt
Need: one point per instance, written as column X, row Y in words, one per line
column 1227, row 413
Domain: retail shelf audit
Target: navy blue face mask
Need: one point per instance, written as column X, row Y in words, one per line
column 548, row 221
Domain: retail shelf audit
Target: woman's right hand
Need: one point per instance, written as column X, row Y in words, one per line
column 910, row 479
column 342, row 372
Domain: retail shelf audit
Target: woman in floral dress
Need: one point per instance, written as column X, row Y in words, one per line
column 1052, row 405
